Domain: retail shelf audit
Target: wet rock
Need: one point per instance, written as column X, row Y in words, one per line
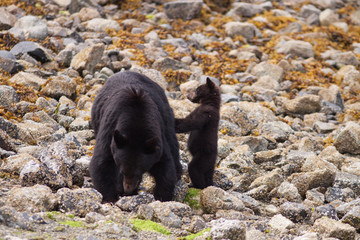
column 38, row 198
column 185, row 10
column 281, row 223
column 247, row 30
column 348, row 139
column 296, row 48
column 28, row 80
column 33, row 27
column 213, row 199
column 303, row 105
column 87, row 58
column 8, row 96
column 132, row 203
column 101, row 24
column 332, row 228
column 228, row 229
column 79, row 201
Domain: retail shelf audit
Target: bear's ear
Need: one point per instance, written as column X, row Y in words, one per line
column 119, row 139
column 151, row 145
column 210, row 83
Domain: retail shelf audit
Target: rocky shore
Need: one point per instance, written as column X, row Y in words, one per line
column 289, row 137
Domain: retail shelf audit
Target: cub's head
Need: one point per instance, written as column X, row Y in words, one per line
column 133, row 156
column 205, row 92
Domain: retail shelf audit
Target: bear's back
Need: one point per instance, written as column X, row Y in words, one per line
column 115, row 93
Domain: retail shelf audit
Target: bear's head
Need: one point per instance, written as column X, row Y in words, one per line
column 133, row 157
column 207, row 92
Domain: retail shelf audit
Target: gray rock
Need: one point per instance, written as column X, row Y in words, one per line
column 348, row 139
column 28, row 80
column 101, row 24
column 79, row 124
column 10, row 66
column 327, row 17
column 228, row 229
column 268, row 69
column 272, row 180
column 132, row 203
column 213, row 199
column 308, row 180
column 332, row 228
column 308, row 10
column 296, row 47
column 296, row 212
column 87, row 58
column 183, row 9
column 346, row 58
column 7, row 20
column 15, row 164
column 289, row 192
column 332, row 95
column 7, row 55
column 167, row 213
column 168, row 63
column 244, row 9
column 267, row 156
column 278, row 130
column 315, row 197
column 221, row 180
column 34, row 49
column 303, row 105
column 33, row 27
column 76, row 5
column 281, row 223
column 79, row 201
column 8, row 96
column 64, row 58
column 322, row 127
column 15, row 131
column 38, row 198
column 246, row 115
column 334, row 193
column 353, row 217
column 344, row 180
column 325, row 210
column 355, row 17
column 153, row 74
column 240, row 159
column 60, row 86
column 247, row 30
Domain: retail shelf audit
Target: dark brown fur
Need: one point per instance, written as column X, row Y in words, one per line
column 202, row 124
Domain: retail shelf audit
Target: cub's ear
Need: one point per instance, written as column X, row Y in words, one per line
column 119, row 139
column 210, row 83
column 151, row 145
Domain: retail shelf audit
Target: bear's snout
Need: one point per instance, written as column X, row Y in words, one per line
column 130, row 185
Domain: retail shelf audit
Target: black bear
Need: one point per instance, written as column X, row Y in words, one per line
column 135, row 133
column 202, row 123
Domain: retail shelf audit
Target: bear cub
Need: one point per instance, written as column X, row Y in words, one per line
column 135, row 133
column 202, row 123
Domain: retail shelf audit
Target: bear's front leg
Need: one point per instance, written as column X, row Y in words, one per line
column 105, row 180
column 165, row 178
